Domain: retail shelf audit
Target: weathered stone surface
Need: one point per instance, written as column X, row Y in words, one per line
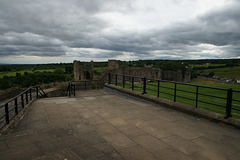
column 150, row 143
column 113, row 65
column 112, row 126
column 137, row 153
column 119, row 140
column 183, row 145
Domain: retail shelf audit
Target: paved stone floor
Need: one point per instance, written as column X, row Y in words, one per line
column 105, row 125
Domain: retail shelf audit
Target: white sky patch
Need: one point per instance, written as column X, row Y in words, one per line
column 127, row 55
column 149, row 14
column 34, row 59
column 210, row 49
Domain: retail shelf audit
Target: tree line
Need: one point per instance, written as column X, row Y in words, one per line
column 35, row 78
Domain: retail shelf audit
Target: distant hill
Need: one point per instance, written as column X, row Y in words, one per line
column 4, row 64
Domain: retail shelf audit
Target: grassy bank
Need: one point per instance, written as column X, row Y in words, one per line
column 13, row 74
column 227, row 72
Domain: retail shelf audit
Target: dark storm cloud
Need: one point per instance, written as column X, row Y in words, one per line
column 49, row 26
column 58, row 28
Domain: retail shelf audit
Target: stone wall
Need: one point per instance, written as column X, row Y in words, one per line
column 155, row 73
column 81, row 72
column 140, row 71
column 113, row 65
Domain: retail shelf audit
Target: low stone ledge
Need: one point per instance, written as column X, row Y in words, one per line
column 216, row 117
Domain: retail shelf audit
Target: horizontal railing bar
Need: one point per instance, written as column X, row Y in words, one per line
column 186, row 91
column 234, row 90
column 12, row 99
column 152, row 84
column 212, row 103
column 20, row 108
column 12, row 117
column 236, row 100
column 166, row 87
column 176, row 82
column 3, row 126
column 166, row 93
column 151, row 89
column 186, row 98
column 211, row 96
column 137, row 87
column 12, row 108
column 3, row 115
column 126, row 75
column 236, row 109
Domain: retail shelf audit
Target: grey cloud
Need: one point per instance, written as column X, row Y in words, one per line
column 220, row 27
column 53, row 28
column 52, row 18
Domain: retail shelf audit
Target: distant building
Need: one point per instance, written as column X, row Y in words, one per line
column 216, row 77
column 228, row 80
column 238, row 79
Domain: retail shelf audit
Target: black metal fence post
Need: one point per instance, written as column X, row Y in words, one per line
column 74, row 91
column 123, row 81
column 158, row 88
column 69, row 89
column 109, row 78
column 6, row 113
column 37, row 91
column 175, row 91
column 229, row 103
column 30, row 93
column 196, row 105
column 116, row 80
column 16, row 106
column 144, row 85
column 132, row 83
column 85, row 85
column 26, row 97
column 22, row 100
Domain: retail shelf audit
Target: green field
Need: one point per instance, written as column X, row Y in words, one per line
column 99, row 69
column 168, row 88
column 227, row 72
column 206, row 66
column 13, row 74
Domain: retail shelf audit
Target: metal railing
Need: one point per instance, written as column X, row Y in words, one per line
column 71, row 89
column 74, row 86
column 224, row 101
column 12, row 107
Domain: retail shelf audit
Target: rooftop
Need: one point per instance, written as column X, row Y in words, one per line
column 100, row 124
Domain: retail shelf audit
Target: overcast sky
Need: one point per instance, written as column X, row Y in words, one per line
column 49, row 31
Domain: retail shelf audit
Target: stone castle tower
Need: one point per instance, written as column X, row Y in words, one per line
column 81, row 72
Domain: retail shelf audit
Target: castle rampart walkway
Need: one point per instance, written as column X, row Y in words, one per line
column 105, row 125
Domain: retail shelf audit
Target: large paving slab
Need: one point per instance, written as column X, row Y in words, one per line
column 100, row 124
